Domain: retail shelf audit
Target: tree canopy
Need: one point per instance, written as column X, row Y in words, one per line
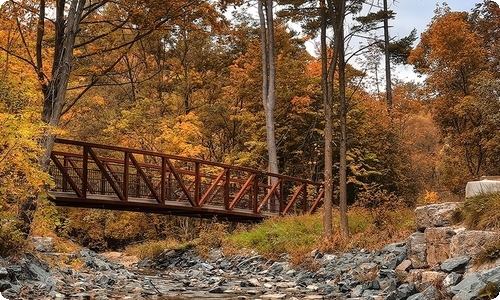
column 184, row 78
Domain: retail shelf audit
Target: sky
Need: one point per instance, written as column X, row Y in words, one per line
column 418, row 14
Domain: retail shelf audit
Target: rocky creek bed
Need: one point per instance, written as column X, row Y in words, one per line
column 383, row 274
column 435, row 263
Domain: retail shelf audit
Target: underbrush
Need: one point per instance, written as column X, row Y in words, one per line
column 152, row 249
column 294, row 235
column 12, row 239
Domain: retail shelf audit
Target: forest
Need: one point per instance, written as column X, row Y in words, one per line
column 206, row 79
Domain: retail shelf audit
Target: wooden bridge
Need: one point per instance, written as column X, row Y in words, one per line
column 99, row 176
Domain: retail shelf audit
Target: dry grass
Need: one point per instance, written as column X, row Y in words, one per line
column 300, row 235
column 481, row 212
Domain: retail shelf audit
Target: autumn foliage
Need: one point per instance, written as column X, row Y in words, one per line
column 186, row 80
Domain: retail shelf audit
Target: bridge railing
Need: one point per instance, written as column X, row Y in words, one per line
column 90, row 170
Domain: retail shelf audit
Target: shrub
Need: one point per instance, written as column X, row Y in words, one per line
column 299, row 235
column 211, row 236
column 12, row 239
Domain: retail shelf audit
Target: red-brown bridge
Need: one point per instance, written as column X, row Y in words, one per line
column 99, row 176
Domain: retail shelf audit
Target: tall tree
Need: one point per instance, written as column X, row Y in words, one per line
column 388, row 82
column 328, row 67
column 266, row 17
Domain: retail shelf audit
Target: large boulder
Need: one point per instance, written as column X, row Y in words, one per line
column 435, row 215
column 438, row 244
column 471, row 242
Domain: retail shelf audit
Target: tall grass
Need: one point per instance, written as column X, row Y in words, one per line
column 299, row 235
column 481, row 212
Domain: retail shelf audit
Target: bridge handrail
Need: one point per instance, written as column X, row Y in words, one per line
column 182, row 158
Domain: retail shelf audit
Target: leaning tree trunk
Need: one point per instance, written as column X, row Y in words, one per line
column 54, row 89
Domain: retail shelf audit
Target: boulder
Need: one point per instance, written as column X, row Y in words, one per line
column 416, row 249
column 471, row 242
column 435, row 215
column 468, row 288
column 438, row 244
column 455, row 264
column 43, row 244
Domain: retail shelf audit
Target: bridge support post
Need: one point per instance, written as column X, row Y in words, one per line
column 227, row 186
column 126, row 172
column 85, row 173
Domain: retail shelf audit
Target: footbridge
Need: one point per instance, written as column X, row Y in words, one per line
column 91, row 175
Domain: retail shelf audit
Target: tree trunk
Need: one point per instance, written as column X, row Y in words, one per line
column 268, row 80
column 54, row 91
column 388, row 83
column 339, row 17
column 344, row 226
column 326, row 84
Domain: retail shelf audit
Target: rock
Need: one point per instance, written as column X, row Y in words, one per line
column 438, row 244
column 405, row 290
column 471, row 242
column 37, row 270
column 311, row 297
column 93, row 261
column 80, row 296
column 435, row 215
column 253, row 282
column 432, row 276
column 316, row 254
column 216, row 290
column 468, row 288
column 455, row 264
column 402, row 268
column 43, row 244
column 274, row 296
column 491, row 275
column 248, row 261
column 416, row 248
column 4, row 285
column 419, row 296
column 451, row 280
column 3, row 273
column 276, row 268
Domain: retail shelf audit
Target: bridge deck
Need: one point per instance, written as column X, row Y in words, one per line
column 151, row 206
column 99, row 176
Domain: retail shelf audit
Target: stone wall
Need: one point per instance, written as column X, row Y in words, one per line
column 437, row 239
column 442, row 252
